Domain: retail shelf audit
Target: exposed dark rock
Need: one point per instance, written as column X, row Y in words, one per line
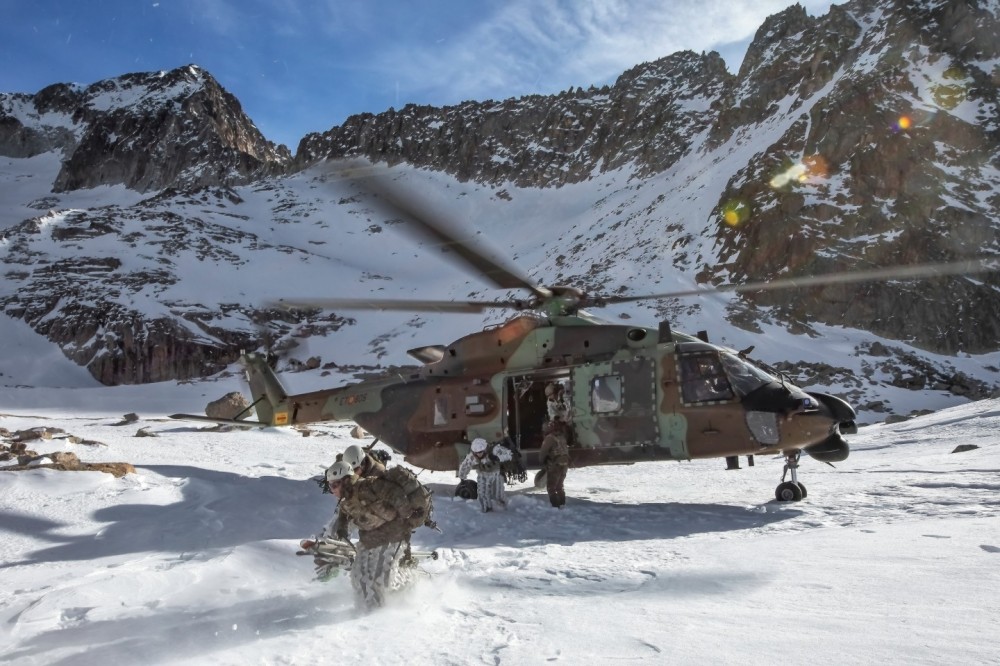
column 228, row 406
column 962, row 448
column 648, row 117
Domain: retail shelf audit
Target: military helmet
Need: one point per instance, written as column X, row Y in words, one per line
column 354, row 455
column 337, row 471
column 478, row 445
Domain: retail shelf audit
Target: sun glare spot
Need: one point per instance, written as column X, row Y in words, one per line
column 904, row 123
column 735, row 212
column 810, row 169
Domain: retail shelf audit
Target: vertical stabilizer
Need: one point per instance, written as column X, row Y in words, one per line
column 266, row 390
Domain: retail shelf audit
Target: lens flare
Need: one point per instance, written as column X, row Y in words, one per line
column 904, row 123
column 735, row 212
column 810, row 169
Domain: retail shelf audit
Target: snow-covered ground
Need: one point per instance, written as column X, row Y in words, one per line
column 894, row 557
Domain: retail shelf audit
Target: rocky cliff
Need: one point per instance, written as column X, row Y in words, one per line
column 882, row 118
column 648, row 118
column 147, row 131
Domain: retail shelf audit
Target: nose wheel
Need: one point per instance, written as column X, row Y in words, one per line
column 793, row 490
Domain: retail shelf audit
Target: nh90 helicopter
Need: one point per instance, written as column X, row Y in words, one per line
column 635, row 394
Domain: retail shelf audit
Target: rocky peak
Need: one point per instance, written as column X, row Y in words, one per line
column 147, row 131
column 888, row 134
column 647, row 117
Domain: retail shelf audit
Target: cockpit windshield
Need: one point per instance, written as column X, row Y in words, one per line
column 703, row 378
column 745, row 377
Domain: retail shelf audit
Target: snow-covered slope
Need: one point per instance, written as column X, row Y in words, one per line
column 892, row 558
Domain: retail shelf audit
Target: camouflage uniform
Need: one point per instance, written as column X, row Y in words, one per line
column 555, row 456
column 372, row 505
column 558, row 409
column 338, row 526
column 489, row 475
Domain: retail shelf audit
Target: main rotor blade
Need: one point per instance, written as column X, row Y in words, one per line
column 916, row 271
column 431, row 226
column 392, row 304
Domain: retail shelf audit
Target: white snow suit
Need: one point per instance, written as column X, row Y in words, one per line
column 489, row 475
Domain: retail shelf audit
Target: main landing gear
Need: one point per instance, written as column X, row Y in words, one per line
column 790, row 491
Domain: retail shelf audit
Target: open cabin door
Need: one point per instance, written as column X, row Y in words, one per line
column 617, row 403
column 527, row 409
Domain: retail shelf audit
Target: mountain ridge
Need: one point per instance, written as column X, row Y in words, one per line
column 800, row 164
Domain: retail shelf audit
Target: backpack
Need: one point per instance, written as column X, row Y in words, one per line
column 513, row 470
column 417, row 508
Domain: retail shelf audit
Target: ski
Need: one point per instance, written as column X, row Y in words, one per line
column 331, row 556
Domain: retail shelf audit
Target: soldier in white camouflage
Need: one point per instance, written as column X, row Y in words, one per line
column 487, row 462
column 380, row 510
column 555, row 404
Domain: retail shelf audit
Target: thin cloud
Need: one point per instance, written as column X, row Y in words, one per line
column 527, row 46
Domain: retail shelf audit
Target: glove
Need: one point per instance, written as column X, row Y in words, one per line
column 325, row 571
column 494, row 458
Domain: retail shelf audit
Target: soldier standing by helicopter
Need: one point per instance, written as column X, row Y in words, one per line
column 555, row 457
column 556, row 403
column 489, row 475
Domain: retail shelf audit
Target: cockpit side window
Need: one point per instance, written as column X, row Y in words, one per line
column 703, row 379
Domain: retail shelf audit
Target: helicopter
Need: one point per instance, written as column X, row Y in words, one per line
column 635, row 393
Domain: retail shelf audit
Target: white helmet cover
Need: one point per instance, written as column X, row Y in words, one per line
column 478, row 445
column 337, row 471
column 354, row 455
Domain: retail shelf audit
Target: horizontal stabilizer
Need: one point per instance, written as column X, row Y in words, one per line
column 428, row 354
column 209, row 419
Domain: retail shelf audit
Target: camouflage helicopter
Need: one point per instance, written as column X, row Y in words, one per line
column 635, row 393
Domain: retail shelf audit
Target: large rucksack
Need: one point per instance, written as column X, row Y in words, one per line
column 417, row 509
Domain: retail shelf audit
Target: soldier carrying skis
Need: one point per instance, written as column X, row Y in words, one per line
column 385, row 509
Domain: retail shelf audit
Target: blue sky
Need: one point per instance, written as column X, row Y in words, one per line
column 300, row 66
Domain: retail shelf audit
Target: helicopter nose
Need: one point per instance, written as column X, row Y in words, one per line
column 841, row 412
column 832, row 449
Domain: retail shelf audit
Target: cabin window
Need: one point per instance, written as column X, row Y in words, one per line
column 606, row 394
column 703, row 379
column 440, row 410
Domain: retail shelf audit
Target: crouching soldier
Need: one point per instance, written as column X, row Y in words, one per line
column 385, row 510
column 487, row 462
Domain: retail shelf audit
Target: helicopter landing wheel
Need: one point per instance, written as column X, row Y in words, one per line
column 789, row 491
